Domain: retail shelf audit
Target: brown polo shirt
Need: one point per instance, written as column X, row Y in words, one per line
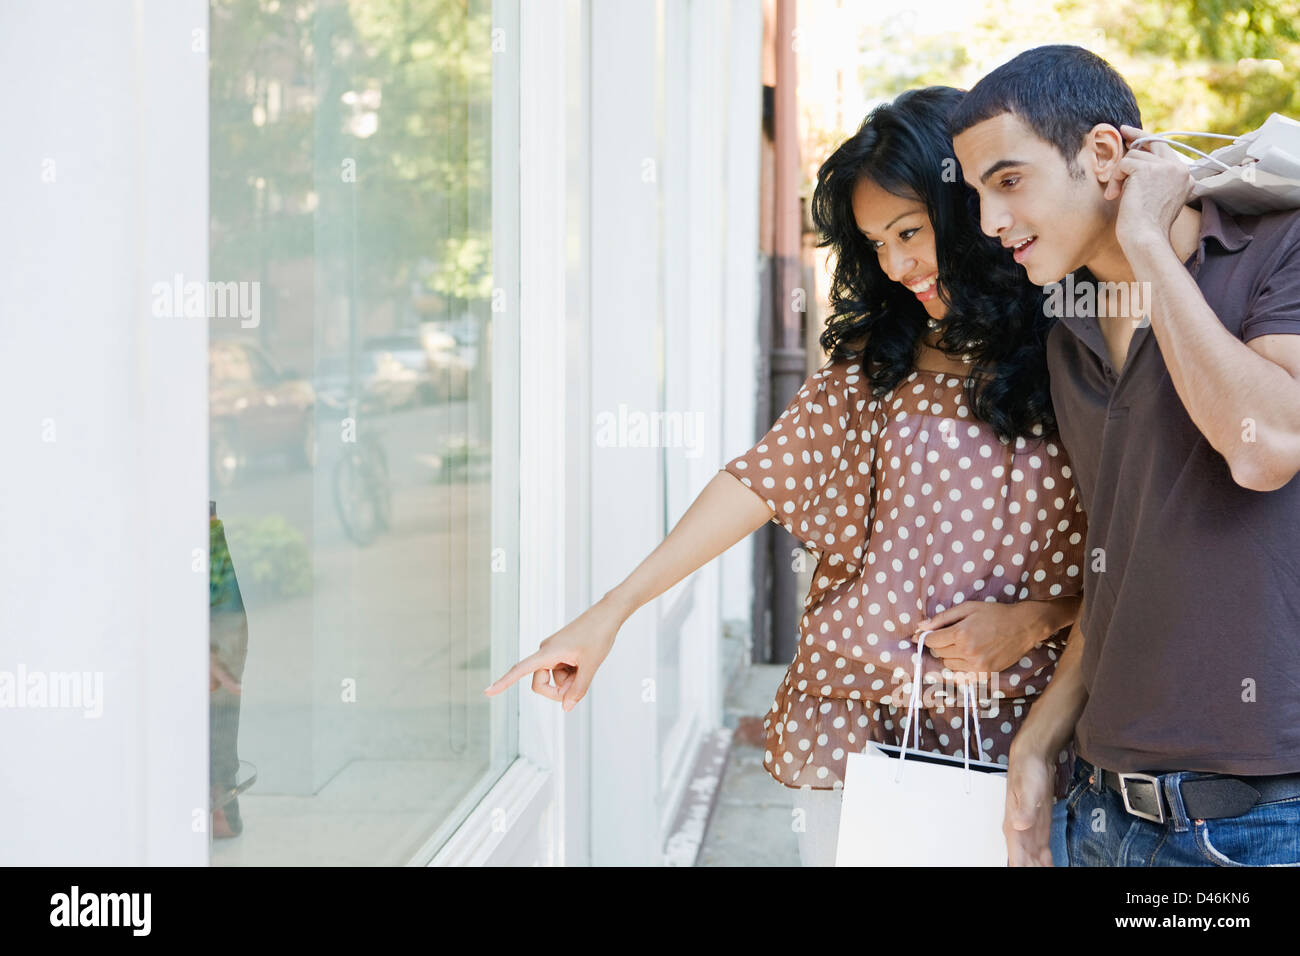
column 1191, row 582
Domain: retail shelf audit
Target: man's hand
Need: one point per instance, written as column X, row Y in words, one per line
column 1027, row 823
column 1152, row 185
column 985, row 636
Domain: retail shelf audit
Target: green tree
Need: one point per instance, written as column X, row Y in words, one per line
column 1215, row 65
column 352, row 136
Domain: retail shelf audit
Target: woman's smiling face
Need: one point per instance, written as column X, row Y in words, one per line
column 900, row 231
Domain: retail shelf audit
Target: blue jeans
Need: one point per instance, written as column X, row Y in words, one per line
column 1059, row 855
column 1100, row 832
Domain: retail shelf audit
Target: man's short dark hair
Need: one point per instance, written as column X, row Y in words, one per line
column 1058, row 91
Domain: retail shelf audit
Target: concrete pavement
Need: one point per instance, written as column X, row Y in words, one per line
column 750, row 822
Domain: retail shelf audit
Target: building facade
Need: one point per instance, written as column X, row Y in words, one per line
column 404, row 332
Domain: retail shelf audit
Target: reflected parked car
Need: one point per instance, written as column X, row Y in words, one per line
column 256, row 409
column 464, row 329
column 403, row 370
column 384, row 383
column 452, row 349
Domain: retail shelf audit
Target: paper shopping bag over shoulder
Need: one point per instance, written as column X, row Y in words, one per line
column 1258, row 172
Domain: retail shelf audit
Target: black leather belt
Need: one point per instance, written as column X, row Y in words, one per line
column 1206, row 799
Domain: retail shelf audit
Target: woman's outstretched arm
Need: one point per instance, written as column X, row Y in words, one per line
column 723, row 513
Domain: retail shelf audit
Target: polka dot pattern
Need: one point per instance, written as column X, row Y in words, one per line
column 909, row 506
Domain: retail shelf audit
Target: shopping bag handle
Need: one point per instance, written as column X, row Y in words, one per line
column 913, row 701
column 967, row 711
column 1161, row 138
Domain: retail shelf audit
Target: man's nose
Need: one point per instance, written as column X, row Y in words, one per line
column 993, row 219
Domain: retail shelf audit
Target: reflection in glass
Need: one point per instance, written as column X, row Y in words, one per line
column 352, row 457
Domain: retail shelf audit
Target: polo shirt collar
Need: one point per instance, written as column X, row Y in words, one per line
column 1218, row 224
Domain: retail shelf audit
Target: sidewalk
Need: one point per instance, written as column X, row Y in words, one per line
column 750, row 822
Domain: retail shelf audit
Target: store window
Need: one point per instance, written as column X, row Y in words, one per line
column 363, row 446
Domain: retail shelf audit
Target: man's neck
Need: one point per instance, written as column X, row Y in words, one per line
column 1110, row 265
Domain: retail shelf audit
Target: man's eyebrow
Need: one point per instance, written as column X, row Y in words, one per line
column 910, row 212
column 999, row 165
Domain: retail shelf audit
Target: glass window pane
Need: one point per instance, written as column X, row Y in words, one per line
column 361, row 487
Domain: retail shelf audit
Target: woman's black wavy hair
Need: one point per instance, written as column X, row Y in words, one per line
column 995, row 314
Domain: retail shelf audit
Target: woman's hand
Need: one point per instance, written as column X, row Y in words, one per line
column 571, row 655
column 219, row 675
column 988, row 636
column 723, row 513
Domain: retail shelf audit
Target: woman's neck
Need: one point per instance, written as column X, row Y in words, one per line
column 933, row 357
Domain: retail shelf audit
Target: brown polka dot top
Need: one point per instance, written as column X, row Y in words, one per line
column 909, row 506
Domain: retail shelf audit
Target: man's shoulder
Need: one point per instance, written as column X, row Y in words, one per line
column 1267, row 231
column 1281, row 222
column 1252, row 271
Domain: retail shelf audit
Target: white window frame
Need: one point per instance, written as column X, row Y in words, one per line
column 526, row 816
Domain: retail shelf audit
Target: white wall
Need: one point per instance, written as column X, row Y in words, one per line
column 625, row 504
column 692, row 270
column 741, row 265
column 103, row 493
column 101, row 523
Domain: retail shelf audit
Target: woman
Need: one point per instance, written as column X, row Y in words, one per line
column 919, row 466
column 916, row 465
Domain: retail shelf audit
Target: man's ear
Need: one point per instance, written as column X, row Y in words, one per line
column 1103, row 148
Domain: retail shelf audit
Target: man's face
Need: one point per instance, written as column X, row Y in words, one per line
column 1027, row 192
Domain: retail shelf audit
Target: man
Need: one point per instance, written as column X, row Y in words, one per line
column 1181, row 416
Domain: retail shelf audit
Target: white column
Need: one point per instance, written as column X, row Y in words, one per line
column 626, row 504
column 741, row 262
column 103, row 492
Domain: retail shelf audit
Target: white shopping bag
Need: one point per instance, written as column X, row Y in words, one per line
column 1259, row 172
column 922, row 809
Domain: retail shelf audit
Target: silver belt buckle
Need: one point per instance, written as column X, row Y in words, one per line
column 1159, row 815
